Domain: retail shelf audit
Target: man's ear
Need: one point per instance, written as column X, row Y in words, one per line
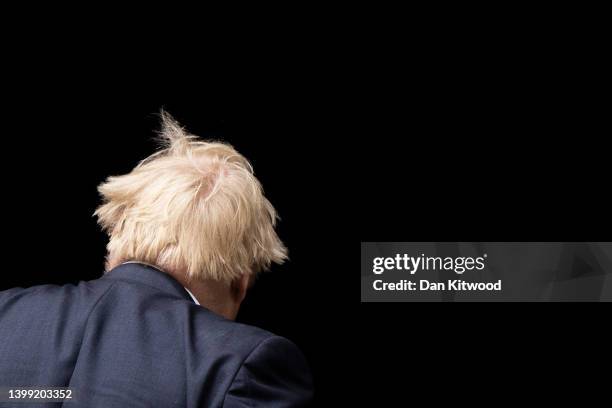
column 240, row 287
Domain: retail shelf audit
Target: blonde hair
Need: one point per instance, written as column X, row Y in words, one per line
column 193, row 207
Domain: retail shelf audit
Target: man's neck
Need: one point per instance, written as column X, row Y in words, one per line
column 213, row 295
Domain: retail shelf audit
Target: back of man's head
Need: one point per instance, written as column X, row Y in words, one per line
column 194, row 208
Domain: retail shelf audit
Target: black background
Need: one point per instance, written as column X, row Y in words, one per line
column 486, row 134
column 472, row 139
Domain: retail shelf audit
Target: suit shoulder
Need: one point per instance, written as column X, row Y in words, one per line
column 274, row 372
column 230, row 333
column 44, row 295
column 238, row 341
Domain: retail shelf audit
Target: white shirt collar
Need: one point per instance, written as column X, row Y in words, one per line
column 193, row 297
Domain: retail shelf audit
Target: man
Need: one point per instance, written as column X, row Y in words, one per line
column 189, row 228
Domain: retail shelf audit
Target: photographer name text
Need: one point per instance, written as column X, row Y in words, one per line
column 426, row 285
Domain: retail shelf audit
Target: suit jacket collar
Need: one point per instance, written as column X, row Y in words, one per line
column 148, row 275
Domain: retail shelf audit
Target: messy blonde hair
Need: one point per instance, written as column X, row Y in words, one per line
column 193, row 207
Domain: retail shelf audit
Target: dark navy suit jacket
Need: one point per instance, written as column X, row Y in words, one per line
column 135, row 338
